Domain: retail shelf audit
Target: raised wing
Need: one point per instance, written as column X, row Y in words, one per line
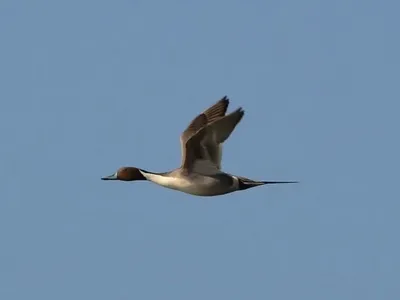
column 210, row 136
column 217, row 132
column 218, row 110
column 192, row 149
column 210, row 115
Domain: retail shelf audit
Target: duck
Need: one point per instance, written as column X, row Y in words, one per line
column 200, row 173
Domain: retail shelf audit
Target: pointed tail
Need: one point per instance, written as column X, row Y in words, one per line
column 245, row 183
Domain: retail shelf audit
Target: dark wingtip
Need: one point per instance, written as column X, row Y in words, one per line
column 225, row 99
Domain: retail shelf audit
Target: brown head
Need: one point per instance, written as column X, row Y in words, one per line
column 126, row 174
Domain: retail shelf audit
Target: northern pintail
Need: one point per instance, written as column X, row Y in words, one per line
column 200, row 172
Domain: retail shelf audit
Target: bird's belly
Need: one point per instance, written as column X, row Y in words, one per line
column 196, row 185
column 204, row 187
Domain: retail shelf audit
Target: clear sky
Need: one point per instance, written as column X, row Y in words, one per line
column 89, row 86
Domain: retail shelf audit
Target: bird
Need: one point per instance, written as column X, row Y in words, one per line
column 200, row 173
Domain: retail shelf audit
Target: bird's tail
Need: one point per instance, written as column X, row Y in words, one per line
column 245, row 183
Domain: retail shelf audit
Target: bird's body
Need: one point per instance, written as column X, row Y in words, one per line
column 195, row 183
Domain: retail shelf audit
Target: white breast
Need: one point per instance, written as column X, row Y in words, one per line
column 176, row 183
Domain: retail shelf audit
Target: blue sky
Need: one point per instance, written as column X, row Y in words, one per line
column 89, row 86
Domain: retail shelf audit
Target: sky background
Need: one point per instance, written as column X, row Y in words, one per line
column 89, row 86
